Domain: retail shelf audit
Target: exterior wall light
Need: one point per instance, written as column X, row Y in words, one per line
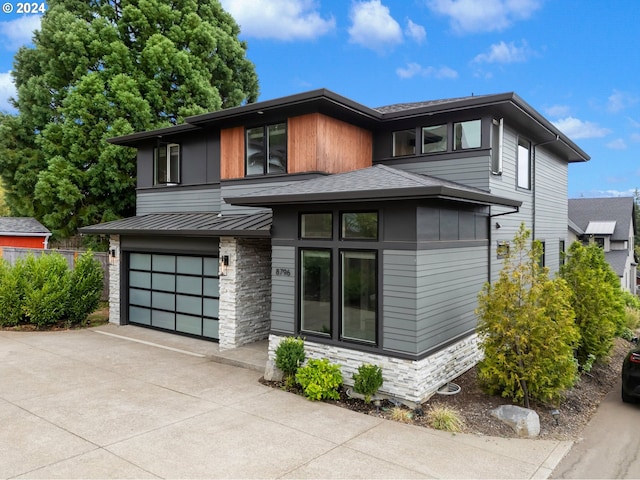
column 224, row 265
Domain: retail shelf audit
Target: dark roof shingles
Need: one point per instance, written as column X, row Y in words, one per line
column 19, row 225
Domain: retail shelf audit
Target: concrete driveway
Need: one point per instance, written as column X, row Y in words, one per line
column 125, row 402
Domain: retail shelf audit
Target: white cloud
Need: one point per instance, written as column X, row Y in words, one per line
column 7, row 89
column 285, row 20
column 483, row 15
column 373, row 26
column 19, row 32
column 415, row 69
column 635, row 137
column 617, row 144
column 504, row 53
column 618, row 101
column 557, row 110
column 416, row 32
column 575, row 128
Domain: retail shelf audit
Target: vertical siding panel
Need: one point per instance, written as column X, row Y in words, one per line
column 232, row 153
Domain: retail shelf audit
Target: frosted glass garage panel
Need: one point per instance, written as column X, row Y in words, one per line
column 190, row 265
column 164, row 301
column 164, row 263
column 192, row 285
column 187, row 304
column 211, row 287
column 140, row 297
column 140, row 261
column 163, row 320
column 210, row 266
column 164, row 281
column 211, row 307
column 140, row 315
column 209, row 328
column 188, row 324
column 140, row 279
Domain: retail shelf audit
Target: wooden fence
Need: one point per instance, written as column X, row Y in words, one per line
column 11, row 254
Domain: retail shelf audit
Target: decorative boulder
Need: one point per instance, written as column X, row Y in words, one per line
column 525, row 422
column 272, row 373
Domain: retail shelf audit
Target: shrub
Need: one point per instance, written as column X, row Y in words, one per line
column 12, row 291
column 444, row 418
column 85, row 288
column 320, row 379
column 47, row 289
column 367, row 380
column 290, row 355
column 631, row 318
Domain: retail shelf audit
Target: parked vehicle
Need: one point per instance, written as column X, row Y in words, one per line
column 631, row 375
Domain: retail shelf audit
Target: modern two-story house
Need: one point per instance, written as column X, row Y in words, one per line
column 368, row 231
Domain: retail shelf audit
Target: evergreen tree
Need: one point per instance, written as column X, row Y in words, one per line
column 526, row 328
column 104, row 68
column 596, row 299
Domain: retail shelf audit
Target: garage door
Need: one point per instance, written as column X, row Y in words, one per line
column 176, row 293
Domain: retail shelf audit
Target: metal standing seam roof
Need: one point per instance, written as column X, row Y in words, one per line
column 192, row 224
column 374, row 183
column 22, row 226
column 600, row 228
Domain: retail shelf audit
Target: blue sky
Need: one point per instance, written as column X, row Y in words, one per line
column 575, row 61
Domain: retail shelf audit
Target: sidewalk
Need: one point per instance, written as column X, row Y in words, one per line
column 126, row 402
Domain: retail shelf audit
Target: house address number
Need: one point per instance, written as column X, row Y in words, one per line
column 283, row 272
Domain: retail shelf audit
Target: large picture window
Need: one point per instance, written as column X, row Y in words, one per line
column 359, row 295
column 266, row 149
column 166, row 164
column 315, row 291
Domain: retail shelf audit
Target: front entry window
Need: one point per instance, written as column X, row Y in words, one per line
column 315, row 291
column 359, row 295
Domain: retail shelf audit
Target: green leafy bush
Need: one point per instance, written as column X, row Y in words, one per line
column 367, row 380
column 47, row 289
column 85, row 288
column 290, row 355
column 12, row 291
column 320, row 379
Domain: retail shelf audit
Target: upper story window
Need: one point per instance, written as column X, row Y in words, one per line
column 434, row 139
column 266, row 149
column 467, row 135
column 166, row 164
column 524, row 164
column 404, row 143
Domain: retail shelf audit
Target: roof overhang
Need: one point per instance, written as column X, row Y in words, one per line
column 187, row 224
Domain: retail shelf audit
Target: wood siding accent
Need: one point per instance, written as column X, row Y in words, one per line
column 172, row 200
column 232, row 153
column 317, row 143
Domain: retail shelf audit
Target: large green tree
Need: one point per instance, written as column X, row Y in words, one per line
column 597, row 300
column 103, row 68
column 526, row 328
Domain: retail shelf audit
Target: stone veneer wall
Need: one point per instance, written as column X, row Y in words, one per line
column 245, row 292
column 114, row 280
column 412, row 381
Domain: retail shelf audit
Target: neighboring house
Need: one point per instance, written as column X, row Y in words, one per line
column 24, row 232
column 369, row 232
column 610, row 222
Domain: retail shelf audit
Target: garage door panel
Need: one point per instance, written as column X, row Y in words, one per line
column 177, row 293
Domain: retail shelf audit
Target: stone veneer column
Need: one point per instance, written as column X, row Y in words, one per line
column 245, row 292
column 114, row 279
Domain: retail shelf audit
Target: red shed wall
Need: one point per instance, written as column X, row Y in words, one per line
column 23, row 242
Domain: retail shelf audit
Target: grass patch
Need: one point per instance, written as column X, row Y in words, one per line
column 445, row 418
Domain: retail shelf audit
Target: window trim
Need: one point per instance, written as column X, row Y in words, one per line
column 170, row 181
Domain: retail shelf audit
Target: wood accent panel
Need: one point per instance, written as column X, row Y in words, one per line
column 232, row 153
column 320, row 143
column 302, row 143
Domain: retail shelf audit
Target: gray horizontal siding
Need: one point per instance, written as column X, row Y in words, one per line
column 283, row 289
column 176, row 200
column 430, row 296
column 472, row 171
